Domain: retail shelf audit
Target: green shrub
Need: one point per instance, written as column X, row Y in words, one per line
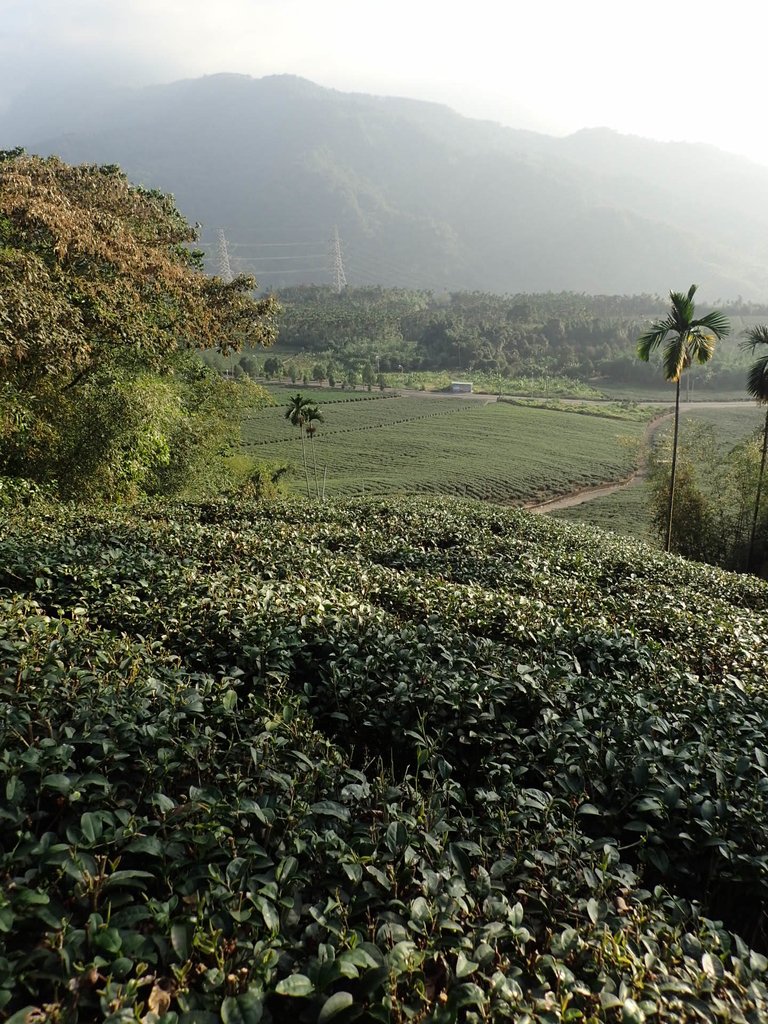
column 393, row 760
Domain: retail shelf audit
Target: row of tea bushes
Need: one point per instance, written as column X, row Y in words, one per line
column 398, row 760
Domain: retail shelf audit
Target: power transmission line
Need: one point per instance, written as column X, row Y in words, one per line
column 269, row 245
column 270, row 262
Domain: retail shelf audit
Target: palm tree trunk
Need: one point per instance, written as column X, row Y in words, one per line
column 673, row 471
column 314, row 463
column 304, row 453
column 758, row 495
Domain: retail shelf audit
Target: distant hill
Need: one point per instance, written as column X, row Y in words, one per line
column 421, row 196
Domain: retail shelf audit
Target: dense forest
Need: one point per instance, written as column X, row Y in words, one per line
column 564, row 333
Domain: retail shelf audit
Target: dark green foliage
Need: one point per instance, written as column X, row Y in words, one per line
column 373, row 329
column 491, row 338
column 714, row 518
column 402, row 760
column 757, row 388
column 693, row 530
column 125, row 435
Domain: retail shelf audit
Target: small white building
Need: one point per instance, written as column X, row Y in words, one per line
column 461, row 387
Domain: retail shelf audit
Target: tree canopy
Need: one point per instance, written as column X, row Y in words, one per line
column 102, row 300
column 94, row 269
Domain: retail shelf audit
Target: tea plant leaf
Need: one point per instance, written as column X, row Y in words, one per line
column 295, row 985
column 465, row 967
column 334, row 1005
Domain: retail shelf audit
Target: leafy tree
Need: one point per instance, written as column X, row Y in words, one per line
column 686, row 338
column 249, row 365
column 369, row 375
column 96, row 271
column 101, row 300
column 272, row 367
column 297, row 412
column 692, row 512
column 757, row 387
column 714, row 496
column 128, row 434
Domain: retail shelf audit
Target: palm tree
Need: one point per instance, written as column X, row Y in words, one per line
column 297, row 414
column 686, row 339
column 757, row 387
column 313, row 415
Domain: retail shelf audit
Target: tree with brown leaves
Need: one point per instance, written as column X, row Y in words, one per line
column 101, row 288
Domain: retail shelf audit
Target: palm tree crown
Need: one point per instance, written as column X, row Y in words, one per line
column 687, row 338
column 297, row 410
column 757, row 379
column 312, row 415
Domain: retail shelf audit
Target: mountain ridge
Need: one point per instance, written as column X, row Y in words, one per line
column 422, row 196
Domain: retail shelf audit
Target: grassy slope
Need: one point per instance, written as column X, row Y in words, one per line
column 404, row 758
column 451, row 446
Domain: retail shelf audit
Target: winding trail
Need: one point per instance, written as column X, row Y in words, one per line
column 585, row 494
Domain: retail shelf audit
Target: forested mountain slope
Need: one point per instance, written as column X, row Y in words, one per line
column 422, row 197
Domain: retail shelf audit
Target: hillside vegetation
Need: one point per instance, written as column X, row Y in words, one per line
column 398, row 760
column 491, row 338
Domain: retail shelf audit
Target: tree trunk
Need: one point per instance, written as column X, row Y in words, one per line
column 758, row 495
column 304, row 454
column 314, row 463
column 673, row 471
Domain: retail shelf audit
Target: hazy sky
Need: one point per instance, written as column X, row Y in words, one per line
column 668, row 69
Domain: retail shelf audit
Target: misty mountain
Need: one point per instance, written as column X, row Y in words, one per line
column 422, row 197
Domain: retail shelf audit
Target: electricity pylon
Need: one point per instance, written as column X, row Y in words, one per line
column 222, row 252
column 337, row 267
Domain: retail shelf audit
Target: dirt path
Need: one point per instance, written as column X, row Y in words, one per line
column 590, row 493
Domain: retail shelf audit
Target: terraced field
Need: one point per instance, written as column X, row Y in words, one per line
column 450, row 446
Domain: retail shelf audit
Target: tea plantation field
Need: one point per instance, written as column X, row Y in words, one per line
column 399, row 760
column 450, row 446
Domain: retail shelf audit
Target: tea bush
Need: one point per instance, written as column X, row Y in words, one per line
column 383, row 760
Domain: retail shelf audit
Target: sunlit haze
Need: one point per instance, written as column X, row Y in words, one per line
column 679, row 70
